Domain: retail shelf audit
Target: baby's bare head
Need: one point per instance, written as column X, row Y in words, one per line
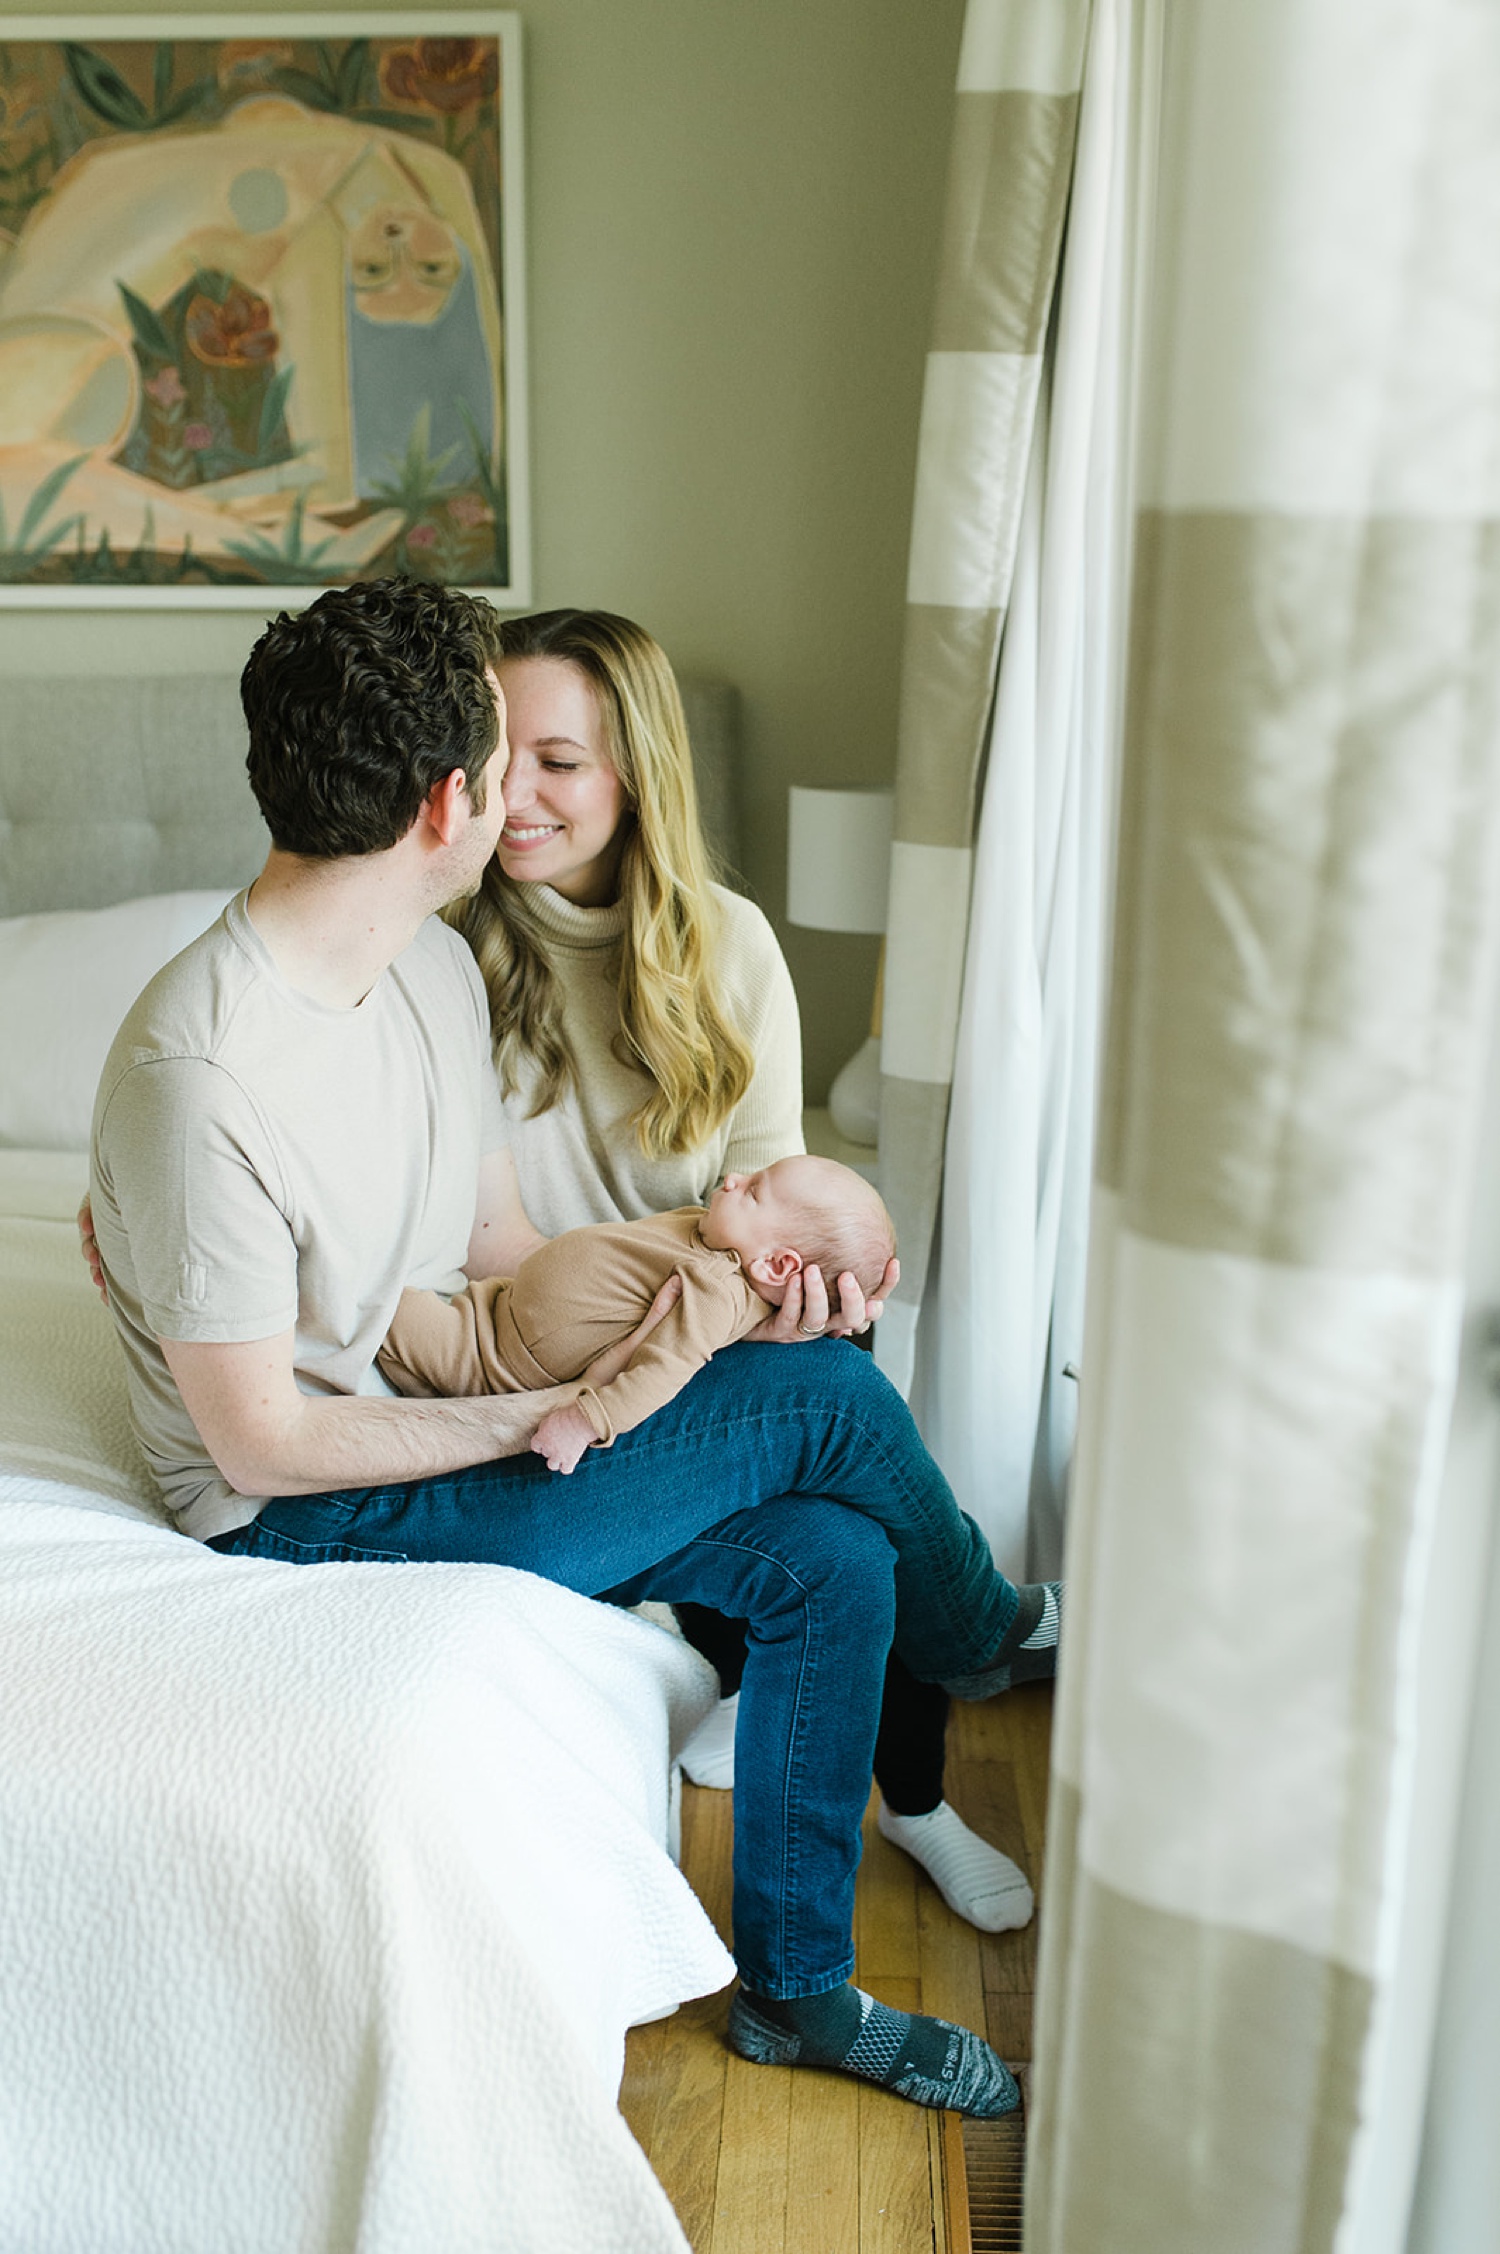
column 801, row 1213
column 839, row 1223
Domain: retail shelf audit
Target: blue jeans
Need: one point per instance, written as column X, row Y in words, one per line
column 785, row 1486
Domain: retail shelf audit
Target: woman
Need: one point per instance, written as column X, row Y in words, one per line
column 647, row 1043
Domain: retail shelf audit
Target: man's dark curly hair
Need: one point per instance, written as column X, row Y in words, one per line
column 358, row 705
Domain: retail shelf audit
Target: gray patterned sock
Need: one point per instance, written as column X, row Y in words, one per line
column 929, row 2061
column 1028, row 1649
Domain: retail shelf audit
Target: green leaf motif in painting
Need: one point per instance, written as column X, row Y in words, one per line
column 44, row 496
column 151, row 337
column 101, row 87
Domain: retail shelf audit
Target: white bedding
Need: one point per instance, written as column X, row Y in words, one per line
column 328, row 1892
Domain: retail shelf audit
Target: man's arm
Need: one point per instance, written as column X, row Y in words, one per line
column 269, row 1438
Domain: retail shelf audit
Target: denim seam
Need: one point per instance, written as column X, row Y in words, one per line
column 784, row 1936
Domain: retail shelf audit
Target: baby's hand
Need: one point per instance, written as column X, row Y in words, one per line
column 562, row 1437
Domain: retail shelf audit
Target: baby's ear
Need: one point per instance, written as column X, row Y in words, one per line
column 776, row 1268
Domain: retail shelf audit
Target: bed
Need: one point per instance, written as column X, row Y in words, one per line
column 327, row 1894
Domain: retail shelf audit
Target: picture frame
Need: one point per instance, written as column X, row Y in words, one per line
column 262, row 308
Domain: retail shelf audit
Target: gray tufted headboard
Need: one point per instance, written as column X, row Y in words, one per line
column 114, row 788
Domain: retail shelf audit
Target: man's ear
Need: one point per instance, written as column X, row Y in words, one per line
column 447, row 807
column 777, row 1267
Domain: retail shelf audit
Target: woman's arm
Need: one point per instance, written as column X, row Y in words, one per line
column 502, row 1236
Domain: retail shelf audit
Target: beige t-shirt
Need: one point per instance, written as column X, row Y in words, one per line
column 580, row 1161
column 263, row 1162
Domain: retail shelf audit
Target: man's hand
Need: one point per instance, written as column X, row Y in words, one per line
column 804, row 1312
column 90, row 1245
column 562, row 1437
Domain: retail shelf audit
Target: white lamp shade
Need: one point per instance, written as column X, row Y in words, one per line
column 838, row 859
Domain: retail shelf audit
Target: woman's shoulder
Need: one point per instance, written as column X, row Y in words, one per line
column 745, row 934
column 752, row 970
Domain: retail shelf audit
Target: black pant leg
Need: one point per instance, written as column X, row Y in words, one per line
column 910, row 1748
column 720, row 1639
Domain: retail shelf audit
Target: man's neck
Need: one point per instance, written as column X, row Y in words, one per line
column 332, row 927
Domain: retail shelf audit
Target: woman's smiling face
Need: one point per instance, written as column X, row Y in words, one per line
column 565, row 805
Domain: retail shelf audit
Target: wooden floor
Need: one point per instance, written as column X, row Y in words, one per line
column 775, row 2160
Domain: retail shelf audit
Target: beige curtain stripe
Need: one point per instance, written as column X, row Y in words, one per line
column 1008, row 175
column 947, row 684
column 929, row 899
column 1312, row 773
column 913, row 1116
column 1015, row 125
column 1244, row 2151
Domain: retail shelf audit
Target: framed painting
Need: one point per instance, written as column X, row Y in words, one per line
column 262, row 319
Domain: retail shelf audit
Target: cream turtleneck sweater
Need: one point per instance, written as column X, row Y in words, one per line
column 580, row 1161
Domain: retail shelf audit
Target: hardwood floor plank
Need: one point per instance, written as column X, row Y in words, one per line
column 685, row 2056
column 1030, row 1722
column 708, row 1851
column 885, row 1912
column 689, row 2063
column 641, row 2082
column 823, row 2157
column 1009, row 2008
column 952, row 1980
column 755, row 2184
column 895, row 2193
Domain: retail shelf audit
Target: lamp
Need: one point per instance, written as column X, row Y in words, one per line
column 838, row 874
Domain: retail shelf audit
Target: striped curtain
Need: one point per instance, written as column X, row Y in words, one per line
column 1001, row 1332
column 1303, row 985
column 1020, row 68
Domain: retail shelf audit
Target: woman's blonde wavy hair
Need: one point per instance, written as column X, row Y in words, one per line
column 674, row 1023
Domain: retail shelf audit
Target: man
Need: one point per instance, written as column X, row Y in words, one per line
column 299, row 1117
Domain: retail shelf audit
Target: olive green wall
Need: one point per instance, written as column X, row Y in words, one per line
column 733, row 213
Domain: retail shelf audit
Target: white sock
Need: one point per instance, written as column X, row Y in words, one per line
column 708, row 1756
column 974, row 1878
column 1044, row 1635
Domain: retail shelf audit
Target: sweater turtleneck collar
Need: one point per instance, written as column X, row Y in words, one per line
column 583, row 929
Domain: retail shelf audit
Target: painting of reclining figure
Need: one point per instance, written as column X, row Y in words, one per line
column 260, row 307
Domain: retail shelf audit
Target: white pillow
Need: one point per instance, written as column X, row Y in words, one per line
column 66, row 981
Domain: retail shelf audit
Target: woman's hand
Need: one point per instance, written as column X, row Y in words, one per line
column 804, row 1313
column 89, row 1244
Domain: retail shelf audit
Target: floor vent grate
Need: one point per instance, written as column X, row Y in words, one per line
column 994, row 2164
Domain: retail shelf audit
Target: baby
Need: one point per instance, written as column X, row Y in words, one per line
column 590, row 1287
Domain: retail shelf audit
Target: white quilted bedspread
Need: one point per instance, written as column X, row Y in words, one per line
column 326, row 1893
